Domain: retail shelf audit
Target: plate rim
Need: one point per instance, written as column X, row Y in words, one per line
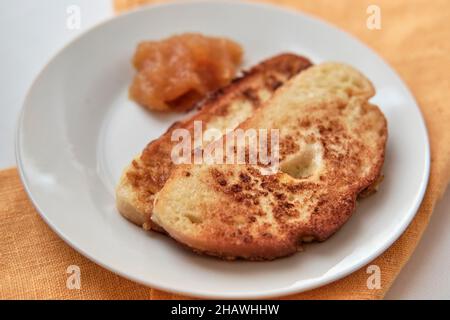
column 284, row 291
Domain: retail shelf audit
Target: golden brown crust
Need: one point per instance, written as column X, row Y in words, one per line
column 328, row 128
column 226, row 107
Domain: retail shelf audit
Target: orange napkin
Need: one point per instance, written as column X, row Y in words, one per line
column 413, row 39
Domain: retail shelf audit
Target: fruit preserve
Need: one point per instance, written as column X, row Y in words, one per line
column 177, row 72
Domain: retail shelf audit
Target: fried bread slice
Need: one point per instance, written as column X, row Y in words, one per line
column 331, row 146
column 226, row 108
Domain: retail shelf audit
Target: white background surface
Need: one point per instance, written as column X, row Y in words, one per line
column 32, row 31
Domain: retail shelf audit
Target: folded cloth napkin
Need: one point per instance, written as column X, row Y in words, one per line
column 413, row 39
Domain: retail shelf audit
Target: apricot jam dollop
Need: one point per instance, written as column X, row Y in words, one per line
column 177, row 72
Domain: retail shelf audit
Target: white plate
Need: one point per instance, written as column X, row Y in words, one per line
column 78, row 130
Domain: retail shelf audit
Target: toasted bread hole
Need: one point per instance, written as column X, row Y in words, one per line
column 193, row 219
column 301, row 165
